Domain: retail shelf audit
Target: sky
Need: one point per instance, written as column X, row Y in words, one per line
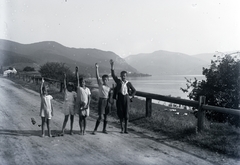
column 125, row 27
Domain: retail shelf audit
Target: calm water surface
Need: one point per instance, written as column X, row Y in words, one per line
column 163, row 85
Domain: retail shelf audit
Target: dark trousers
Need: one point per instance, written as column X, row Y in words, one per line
column 123, row 106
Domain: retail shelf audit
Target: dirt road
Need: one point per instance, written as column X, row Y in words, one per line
column 21, row 143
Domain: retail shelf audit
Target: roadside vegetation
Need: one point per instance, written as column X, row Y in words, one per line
column 221, row 87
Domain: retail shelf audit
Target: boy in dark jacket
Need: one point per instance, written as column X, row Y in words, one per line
column 123, row 91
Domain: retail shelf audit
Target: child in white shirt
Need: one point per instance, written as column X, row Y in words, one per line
column 46, row 109
column 69, row 105
column 82, row 103
column 105, row 102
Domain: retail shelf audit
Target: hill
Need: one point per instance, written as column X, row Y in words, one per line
column 9, row 59
column 206, row 57
column 210, row 56
column 167, row 63
column 49, row 51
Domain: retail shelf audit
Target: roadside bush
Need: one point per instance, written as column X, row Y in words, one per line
column 221, row 87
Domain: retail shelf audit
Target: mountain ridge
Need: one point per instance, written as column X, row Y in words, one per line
column 165, row 62
column 51, row 51
column 160, row 62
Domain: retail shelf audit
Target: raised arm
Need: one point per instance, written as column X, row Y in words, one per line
column 97, row 73
column 112, row 71
column 41, row 90
column 77, row 77
column 65, row 82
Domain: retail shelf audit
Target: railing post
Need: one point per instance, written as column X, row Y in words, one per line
column 61, row 87
column 201, row 114
column 148, row 107
column 36, row 80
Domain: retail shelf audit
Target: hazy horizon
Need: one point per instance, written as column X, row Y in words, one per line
column 125, row 27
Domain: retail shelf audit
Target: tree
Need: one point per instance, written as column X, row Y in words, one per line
column 28, row 69
column 221, row 86
column 55, row 70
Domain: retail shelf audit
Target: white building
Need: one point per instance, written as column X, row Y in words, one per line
column 6, row 72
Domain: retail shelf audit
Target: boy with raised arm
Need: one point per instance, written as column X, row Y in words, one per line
column 122, row 93
column 104, row 102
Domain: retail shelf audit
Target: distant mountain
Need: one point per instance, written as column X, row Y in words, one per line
column 50, row 51
column 206, row 57
column 11, row 59
column 167, row 63
column 210, row 56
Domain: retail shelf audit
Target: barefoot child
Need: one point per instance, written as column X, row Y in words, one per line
column 46, row 109
column 104, row 102
column 82, row 103
column 69, row 103
column 123, row 90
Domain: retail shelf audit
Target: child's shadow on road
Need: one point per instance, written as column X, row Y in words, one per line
column 26, row 133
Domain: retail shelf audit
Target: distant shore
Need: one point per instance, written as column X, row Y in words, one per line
column 138, row 75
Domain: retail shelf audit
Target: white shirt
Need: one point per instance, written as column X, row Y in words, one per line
column 82, row 95
column 103, row 90
column 124, row 89
column 46, row 103
column 70, row 97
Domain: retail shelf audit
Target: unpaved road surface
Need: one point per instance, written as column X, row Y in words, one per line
column 20, row 141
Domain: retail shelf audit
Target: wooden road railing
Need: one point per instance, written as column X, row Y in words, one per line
column 191, row 103
column 150, row 96
column 200, row 105
column 32, row 78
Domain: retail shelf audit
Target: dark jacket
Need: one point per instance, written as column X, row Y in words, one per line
column 131, row 90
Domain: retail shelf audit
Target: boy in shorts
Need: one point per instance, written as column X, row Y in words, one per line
column 104, row 102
